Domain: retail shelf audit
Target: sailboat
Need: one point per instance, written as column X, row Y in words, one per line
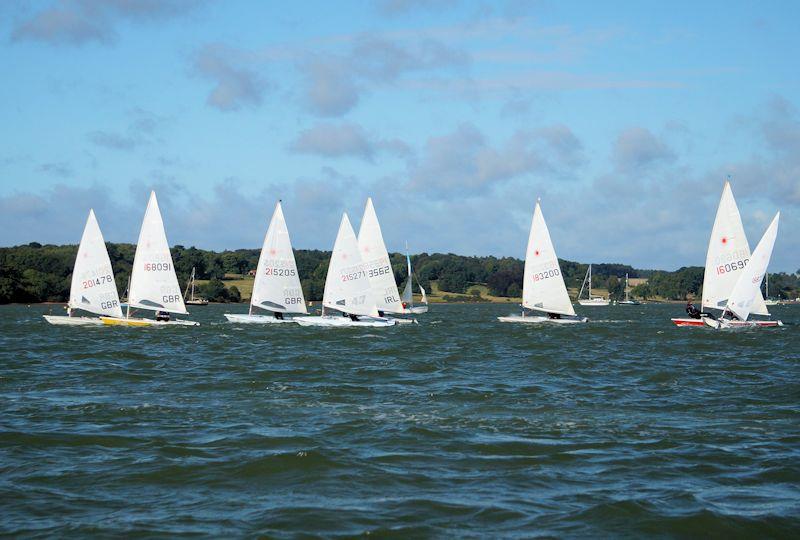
column 407, row 297
column 543, row 288
column 347, row 287
column 191, row 300
column 93, row 287
column 590, row 300
column 728, row 255
column 277, row 284
column 378, row 267
column 747, row 289
column 767, row 300
column 628, row 301
column 154, row 285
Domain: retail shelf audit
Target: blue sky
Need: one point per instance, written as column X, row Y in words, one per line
column 454, row 116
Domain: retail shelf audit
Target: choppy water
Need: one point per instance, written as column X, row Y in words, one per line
column 459, row 426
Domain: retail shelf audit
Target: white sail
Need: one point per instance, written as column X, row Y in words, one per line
column 154, row 284
column 277, row 284
column 408, row 294
column 93, row 287
column 376, row 262
column 347, row 286
column 728, row 254
column 748, row 287
column 543, row 288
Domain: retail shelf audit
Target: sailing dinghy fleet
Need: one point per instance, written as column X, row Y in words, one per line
column 360, row 287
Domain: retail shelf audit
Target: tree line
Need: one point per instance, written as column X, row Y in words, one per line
column 42, row 273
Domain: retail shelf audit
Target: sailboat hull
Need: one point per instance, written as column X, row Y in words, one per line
column 599, row 302
column 541, row 319
column 139, row 323
column 708, row 321
column 416, row 310
column 244, row 318
column 726, row 324
column 344, row 322
column 63, row 320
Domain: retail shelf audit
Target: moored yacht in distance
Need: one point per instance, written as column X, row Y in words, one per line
column 590, row 300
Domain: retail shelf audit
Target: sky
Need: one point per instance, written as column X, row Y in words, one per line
column 625, row 118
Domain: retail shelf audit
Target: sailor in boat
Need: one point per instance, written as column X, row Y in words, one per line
column 353, row 317
column 554, row 315
column 162, row 316
column 692, row 311
column 278, row 315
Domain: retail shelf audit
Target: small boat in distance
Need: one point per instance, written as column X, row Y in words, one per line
column 748, row 286
column 93, row 287
column 767, row 300
column 590, row 300
column 628, row 301
column 276, row 287
column 408, row 294
column 191, row 300
column 154, row 285
column 347, row 287
column 543, row 288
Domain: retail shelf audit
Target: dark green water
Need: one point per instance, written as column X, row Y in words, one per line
column 457, row 427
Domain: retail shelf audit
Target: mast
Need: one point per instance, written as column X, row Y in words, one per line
column 590, row 281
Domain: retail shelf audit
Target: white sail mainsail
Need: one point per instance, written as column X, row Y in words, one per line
column 376, row 262
column 154, row 284
column 93, row 287
column 748, row 287
column 408, row 294
column 347, row 286
column 543, row 288
column 728, row 254
column 277, row 283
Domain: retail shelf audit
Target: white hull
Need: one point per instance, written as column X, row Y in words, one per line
column 140, row 322
column 628, row 303
column 63, row 320
column 244, row 318
column 594, row 302
column 417, row 310
column 541, row 319
column 726, row 324
column 344, row 322
column 772, row 302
